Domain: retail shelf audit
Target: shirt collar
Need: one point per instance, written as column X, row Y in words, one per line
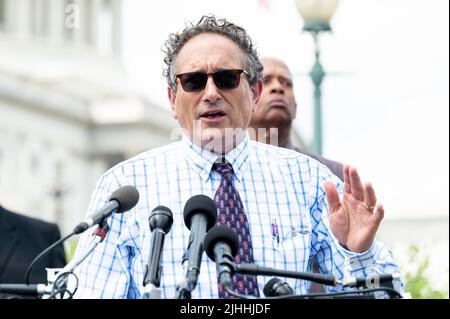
column 202, row 160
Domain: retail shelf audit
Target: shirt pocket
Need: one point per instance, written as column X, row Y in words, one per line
column 292, row 253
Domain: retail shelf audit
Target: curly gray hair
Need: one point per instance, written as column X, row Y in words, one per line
column 210, row 24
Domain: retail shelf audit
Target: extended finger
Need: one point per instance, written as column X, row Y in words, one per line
column 357, row 186
column 347, row 184
column 332, row 197
column 378, row 214
column 370, row 198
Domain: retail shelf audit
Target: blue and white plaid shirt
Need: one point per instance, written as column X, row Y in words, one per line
column 276, row 185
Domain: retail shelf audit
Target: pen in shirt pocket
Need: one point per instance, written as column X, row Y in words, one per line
column 275, row 231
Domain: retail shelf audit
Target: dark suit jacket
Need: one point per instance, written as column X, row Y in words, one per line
column 335, row 167
column 21, row 240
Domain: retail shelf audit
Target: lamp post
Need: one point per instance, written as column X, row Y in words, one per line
column 317, row 15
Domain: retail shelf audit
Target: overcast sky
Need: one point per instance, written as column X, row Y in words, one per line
column 385, row 99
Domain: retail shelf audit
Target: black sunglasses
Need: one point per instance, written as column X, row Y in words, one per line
column 223, row 79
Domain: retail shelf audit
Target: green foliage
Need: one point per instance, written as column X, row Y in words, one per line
column 416, row 282
column 69, row 248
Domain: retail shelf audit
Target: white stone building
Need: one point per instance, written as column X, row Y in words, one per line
column 66, row 111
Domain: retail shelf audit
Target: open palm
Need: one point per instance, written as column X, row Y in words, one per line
column 355, row 220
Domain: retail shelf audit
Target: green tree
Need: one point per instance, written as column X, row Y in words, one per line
column 70, row 247
column 416, row 282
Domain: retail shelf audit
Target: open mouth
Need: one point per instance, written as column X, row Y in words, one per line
column 213, row 115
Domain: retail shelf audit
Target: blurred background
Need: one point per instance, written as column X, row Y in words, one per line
column 81, row 88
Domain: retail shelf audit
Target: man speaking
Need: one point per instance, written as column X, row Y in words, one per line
column 214, row 83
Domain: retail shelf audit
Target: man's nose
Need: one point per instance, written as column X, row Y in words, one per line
column 211, row 92
column 276, row 87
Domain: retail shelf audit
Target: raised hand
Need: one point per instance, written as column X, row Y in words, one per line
column 355, row 220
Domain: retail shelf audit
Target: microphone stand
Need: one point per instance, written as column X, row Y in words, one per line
column 200, row 214
column 26, row 290
column 329, row 280
column 80, row 258
column 151, row 286
column 183, row 288
column 60, row 282
column 56, row 279
column 151, row 291
column 252, row 269
column 160, row 221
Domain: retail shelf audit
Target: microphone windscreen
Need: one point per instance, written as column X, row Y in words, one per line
column 269, row 287
column 127, row 196
column 200, row 204
column 221, row 233
column 277, row 287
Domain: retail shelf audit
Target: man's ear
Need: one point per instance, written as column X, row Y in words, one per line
column 256, row 93
column 172, row 97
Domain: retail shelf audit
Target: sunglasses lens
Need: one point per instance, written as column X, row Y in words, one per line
column 227, row 79
column 223, row 79
column 195, row 81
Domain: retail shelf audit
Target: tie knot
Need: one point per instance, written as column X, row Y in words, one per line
column 224, row 169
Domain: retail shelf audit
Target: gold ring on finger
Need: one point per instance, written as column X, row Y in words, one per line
column 369, row 207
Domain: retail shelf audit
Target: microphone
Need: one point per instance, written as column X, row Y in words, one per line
column 277, row 287
column 24, row 289
column 373, row 281
column 122, row 200
column 221, row 245
column 200, row 214
column 160, row 221
column 228, row 238
column 100, row 233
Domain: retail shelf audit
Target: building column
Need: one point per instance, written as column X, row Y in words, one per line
column 21, row 18
column 56, row 21
column 117, row 28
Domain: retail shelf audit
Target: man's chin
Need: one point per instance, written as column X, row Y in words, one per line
column 219, row 140
column 278, row 109
column 278, row 115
